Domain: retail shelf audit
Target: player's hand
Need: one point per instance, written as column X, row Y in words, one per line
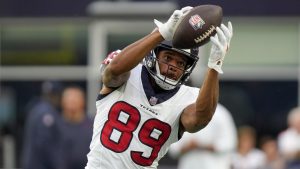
column 167, row 29
column 220, row 46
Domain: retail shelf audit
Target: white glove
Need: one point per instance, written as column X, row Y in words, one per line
column 220, row 45
column 167, row 29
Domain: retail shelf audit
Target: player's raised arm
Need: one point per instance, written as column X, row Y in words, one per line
column 197, row 115
column 133, row 54
column 130, row 56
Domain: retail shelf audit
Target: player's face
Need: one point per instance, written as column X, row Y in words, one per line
column 171, row 64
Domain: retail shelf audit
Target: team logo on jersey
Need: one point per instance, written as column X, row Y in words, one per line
column 196, row 22
column 153, row 100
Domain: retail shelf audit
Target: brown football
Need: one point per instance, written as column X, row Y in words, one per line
column 197, row 26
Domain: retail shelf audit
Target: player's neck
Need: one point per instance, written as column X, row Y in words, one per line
column 154, row 85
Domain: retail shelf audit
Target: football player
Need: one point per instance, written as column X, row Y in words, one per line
column 143, row 108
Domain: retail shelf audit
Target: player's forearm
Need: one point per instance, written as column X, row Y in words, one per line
column 197, row 115
column 208, row 97
column 133, row 54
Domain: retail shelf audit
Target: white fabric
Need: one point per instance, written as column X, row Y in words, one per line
column 168, row 112
column 220, row 132
column 220, row 46
column 255, row 159
column 289, row 141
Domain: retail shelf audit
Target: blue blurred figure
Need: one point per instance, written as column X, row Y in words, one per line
column 76, row 128
column 42, row 134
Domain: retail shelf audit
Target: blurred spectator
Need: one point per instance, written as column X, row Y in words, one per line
column 76, row 129
column 211, row 147
column 247, row 155
column 273, row 159
column 41, row 139
column 289, row 140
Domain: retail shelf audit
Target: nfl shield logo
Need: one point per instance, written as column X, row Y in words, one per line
column 196, row 22
column 153, row 101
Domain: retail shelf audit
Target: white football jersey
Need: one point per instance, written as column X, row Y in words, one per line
column 129, row 133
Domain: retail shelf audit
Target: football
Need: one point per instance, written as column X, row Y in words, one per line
column 197, row 26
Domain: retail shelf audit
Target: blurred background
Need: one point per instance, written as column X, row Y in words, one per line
column 65, row 41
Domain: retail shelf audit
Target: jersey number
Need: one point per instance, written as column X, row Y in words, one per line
column 117, row 132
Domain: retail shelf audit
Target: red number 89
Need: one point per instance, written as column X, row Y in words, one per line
column 116, row 123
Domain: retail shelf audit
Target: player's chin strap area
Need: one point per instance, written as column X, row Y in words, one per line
column 163, row 81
